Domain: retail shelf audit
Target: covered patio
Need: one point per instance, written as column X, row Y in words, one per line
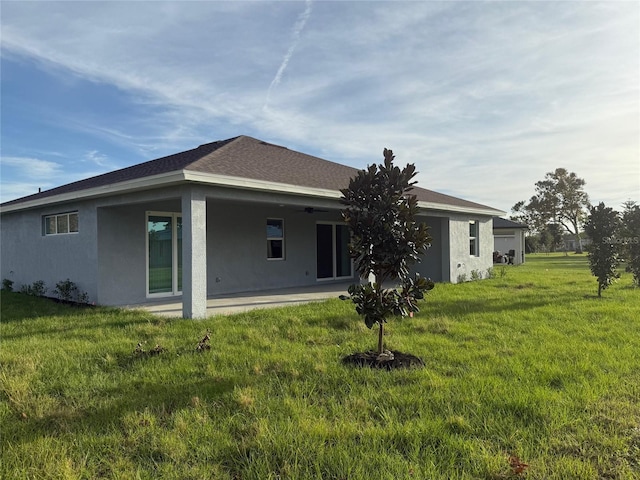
column 241, row 302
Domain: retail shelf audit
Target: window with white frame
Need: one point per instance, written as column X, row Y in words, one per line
column 275, row 239
column 61, row 223
column 164, row 253
column 474, row 247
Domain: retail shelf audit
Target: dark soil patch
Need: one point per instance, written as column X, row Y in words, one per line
column 71, row 303
column 389, row 360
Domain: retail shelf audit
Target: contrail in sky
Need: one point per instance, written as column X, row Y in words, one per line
column 297, row 30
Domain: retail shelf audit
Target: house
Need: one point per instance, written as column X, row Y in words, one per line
column 229, row 216
column 570, row 243
column 508, row 241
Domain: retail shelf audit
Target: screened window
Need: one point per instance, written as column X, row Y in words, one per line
column 61, row 223
column 275, row 239
column 473, row 239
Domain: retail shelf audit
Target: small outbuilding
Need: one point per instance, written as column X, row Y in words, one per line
column 508, row 241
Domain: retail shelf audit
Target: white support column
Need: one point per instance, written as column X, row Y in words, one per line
column 194, row 254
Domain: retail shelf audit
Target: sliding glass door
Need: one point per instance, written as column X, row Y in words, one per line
column 164, row 254
column 332, row 251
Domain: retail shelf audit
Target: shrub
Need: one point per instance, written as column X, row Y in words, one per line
column 476, row 275
column 37, row 289
column 502, row 271
column 7, row 285
column 462, row 278
column 66, row 290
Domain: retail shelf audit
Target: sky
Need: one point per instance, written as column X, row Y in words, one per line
column 484, row 98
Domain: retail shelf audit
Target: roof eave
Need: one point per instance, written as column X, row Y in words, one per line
column 138, row 184
column 191, row 176
column 258, row 185
column 261, row 185
column 484, row 211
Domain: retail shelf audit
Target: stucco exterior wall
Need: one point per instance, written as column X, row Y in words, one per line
column 122, row 255
column 28, row 255
column 107, row 258
column 236, row 248
column 436, row 259
column 122, row 245
column 462, row 263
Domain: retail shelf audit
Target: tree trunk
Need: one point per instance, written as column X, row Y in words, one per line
column 380, row 337
column 599, row 289
column 379, row 280
column 577, row 236
column 579, row 243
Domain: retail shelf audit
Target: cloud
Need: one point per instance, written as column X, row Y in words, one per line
column 97, row 158
column 15, row 189
column 28, row 175
column 484, row 97
column 27, row 167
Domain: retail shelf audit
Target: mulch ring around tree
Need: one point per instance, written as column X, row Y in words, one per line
column 388, row 360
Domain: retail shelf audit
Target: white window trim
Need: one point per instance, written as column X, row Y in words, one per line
column 333, row 253
column 284, row 254
column 476, row 237
column 56, row 215
column 174, row 253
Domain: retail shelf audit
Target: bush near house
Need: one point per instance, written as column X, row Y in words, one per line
column 36, row 289
column 524, row 369
column 7, row 285
column 68, row 291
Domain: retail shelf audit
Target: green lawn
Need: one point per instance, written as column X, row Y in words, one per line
column 530, row 363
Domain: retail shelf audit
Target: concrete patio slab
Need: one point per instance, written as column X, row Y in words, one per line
column 242, row 302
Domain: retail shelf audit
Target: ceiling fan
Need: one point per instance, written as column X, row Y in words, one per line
column 312, row 210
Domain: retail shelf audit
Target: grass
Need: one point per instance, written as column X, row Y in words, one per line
column 530, row 364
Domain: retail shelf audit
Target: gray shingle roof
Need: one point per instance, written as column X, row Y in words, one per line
column 175, row 162
column 243, row 157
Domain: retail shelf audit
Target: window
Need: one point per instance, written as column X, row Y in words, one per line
column 275, row 239
column 61, row 223
column 474, row 249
